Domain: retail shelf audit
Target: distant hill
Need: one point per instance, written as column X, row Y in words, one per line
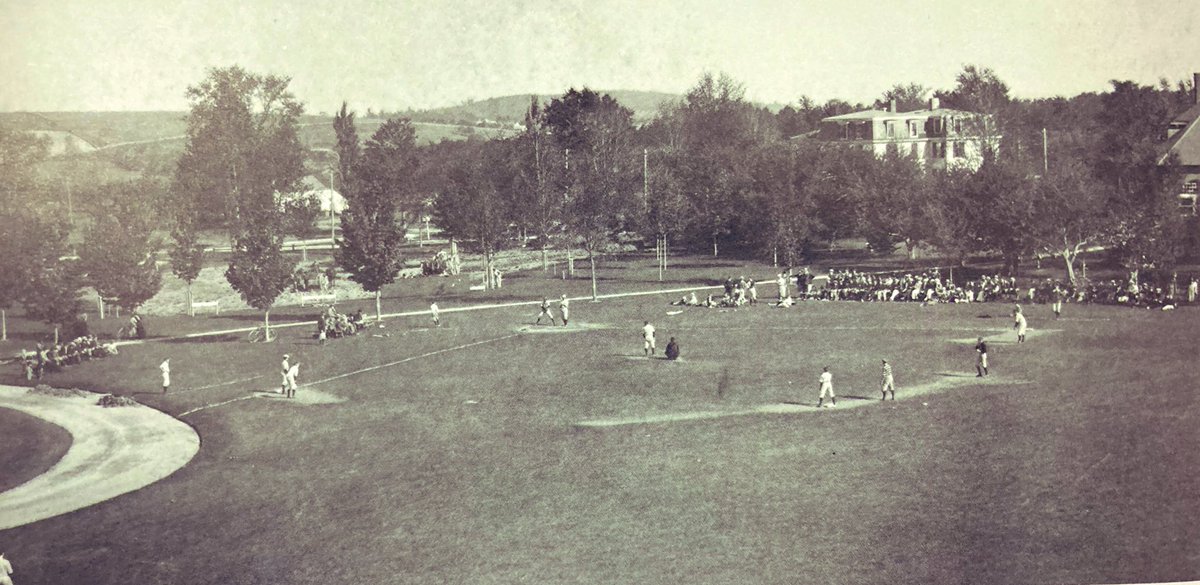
column 510, row 109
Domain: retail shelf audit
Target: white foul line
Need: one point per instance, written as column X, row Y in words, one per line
column 199, row 408
column 409, row 359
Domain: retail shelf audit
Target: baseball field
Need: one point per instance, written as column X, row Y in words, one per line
column 490, row 450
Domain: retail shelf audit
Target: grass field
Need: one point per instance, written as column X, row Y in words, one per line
column 464, row 462
column 30, row 447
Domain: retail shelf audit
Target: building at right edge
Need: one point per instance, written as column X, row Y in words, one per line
column 1183, row 145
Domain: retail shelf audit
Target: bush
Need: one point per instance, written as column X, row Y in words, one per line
column 110, row 401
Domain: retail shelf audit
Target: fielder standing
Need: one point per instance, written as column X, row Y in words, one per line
column 981, row 365
column 292, row 373
column 1020, row 325
column 648, row 339
column 436, row 313
column 564, row 306
column 826, row 388
column 887, row 383
column 284, row 368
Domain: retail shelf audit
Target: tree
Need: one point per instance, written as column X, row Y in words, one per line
column 347, row 148
column 474, row 208
column 118, row 252
column 372, row 232
column 19, row 153
column 54, row 279
column 1002, row 207
column 596, row 130
column 258, row 270
column 538, row 205
column 667, row 209
column 186, row 251
column 907, row 97
column 241, row 139
column 1148, row 228
column 785, row 226
column 892, row 191
column 1072, row 214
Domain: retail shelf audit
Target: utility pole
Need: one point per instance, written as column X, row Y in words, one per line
column 1045, row 155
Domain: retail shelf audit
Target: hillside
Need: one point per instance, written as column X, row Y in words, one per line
column 511, row 109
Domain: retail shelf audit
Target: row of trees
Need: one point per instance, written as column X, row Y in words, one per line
column 710, row 172
column 713, row 172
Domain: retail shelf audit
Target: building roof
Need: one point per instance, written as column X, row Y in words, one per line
column 879, row 114
column 1185, row 143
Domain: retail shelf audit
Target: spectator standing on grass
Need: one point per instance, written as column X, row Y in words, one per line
column 564, row 307
column 648, row 339
column 292, row 373
column 285, row 367
column 752, row 292
column 1193, row 290
column 672, row 349
column 5, row 570
column 433, row 310
column 545, row 312
column 887, row 383
column 1059, row 293
column 981, row 365
column 165, row 368
column 826, row 381
column 782, row 282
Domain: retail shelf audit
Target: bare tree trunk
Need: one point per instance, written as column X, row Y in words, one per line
column 545, row 257
column 378, row 307
column 666, row 253
column 3, row 325
column 570, row 262
column 1070, row 261
column 267, row 325
column 191, row 307
column 714, row 245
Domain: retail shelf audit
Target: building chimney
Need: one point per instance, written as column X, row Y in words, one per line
column 934, row 103
column 1196, row 87
column 892, row 105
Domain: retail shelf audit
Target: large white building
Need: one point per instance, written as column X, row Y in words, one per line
column 937, row 137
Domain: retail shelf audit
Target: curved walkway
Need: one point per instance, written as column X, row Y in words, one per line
column 113, row 451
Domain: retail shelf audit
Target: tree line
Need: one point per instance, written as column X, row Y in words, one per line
column 711, row 173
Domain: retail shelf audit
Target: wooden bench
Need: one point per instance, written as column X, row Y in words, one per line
column 214, row 305
column 317, row 299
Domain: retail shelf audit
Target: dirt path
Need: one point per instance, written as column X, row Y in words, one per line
column 113, row 451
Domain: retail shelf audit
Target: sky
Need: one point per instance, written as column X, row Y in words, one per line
column 102, row 55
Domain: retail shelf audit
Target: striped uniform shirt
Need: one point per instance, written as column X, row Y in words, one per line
column 887, row 372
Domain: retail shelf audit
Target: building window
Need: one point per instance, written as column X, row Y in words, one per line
column 939, row 149
column 914, row 150
column 1190, row 187
column 912, row 128
column 846, row 131
column 890, row 128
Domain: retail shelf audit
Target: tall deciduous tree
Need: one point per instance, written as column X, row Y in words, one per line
column 474, row 207
column 19, row 152
column 118, row 252
column 54, row 280
column 1072, row 214
column 241, row 142
column 372, row 228
column 908, row 97
column 538, row 204
column 597, row 131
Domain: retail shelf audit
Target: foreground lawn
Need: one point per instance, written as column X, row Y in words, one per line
column 30, row 447
column 1076, row 463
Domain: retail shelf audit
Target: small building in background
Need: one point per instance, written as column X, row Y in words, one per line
column 311, row 186
column 936, row 137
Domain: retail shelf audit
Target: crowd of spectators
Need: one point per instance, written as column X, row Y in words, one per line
column 331, row 323
column 54, row 358
column 930, row 287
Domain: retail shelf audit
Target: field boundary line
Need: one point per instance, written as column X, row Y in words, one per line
column 409, row 359
column 215, row 404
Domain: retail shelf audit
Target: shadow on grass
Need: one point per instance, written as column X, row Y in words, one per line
column 855, row 397
column 956, row 375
